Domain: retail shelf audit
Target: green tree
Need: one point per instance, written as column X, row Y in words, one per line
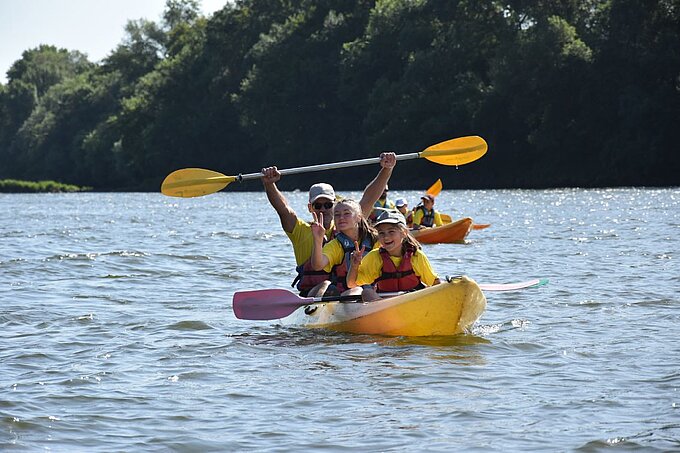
column 45, row 66
column 49, row 143
column 636, row 91
column 537, row 82
column 289, row 100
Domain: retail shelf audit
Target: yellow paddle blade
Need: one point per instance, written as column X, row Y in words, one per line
column 457, row 151
column 435, row 188
column 194, row 182
column 446, row 218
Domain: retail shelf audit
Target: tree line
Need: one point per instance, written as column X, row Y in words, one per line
column 567, row 93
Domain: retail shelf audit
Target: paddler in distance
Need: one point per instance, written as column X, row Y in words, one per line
column 321, row 201
column 402, row 206
column 424, row 214
column 381, row 204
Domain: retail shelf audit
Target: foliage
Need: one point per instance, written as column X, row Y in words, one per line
column 18, row 186
column 568, row 93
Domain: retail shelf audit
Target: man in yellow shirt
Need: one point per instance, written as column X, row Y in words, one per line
column 381, row 204
column 424, row 214
column 321, row 201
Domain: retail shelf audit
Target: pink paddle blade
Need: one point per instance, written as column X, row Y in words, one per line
column 266, row 304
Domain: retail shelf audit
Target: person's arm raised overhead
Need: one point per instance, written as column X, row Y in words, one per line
column 375, row 188
column 270, row 176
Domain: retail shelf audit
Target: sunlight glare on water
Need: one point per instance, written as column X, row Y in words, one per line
column 117, row 334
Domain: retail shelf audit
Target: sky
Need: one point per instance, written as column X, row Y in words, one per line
column 94, row 27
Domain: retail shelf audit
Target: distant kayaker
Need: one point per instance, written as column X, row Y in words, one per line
column 381, row 204
column 402, row 206
column 352, row 228
column 321, row 201
column 424, row 214
column 399, row 264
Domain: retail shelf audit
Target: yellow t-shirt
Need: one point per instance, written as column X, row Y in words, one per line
column 335, row 253
column 418, row 217
column 303, row 240
column 379, row 204
column 371, row 266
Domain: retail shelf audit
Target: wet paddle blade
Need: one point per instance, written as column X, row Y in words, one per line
column 194, row 182
column 457, row 151
column 267, row 304
column 514, row 286
column 475, row 226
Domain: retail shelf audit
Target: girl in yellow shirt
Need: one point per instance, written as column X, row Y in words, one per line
column 398, row 264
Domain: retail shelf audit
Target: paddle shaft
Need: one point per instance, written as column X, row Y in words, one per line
column 483, row 286
column 349, row 298
column 330, row 166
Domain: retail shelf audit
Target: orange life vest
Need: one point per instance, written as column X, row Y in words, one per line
column 401, row 278
column 307, row 278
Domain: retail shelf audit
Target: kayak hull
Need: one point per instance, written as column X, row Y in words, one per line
column 446, row 234
column 449, row 308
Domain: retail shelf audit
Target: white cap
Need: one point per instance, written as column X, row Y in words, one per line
column 321, row 190
column 400, row 202
column 390, row 216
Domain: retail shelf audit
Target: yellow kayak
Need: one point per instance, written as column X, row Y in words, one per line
column 449, row 308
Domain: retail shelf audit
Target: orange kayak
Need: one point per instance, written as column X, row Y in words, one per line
column 446, row 234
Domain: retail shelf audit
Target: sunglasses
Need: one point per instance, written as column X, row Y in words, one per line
column 319, row 206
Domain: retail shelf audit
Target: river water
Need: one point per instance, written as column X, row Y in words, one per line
column 117, row 334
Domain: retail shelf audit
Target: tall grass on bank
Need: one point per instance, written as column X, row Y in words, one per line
column 18, row 186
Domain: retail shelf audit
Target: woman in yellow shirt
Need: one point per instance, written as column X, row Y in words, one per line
column 352, row 229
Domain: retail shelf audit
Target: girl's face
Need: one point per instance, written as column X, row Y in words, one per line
column 391, row 237
column 345, row 217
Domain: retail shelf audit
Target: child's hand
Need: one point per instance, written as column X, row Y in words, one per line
column 357, row 254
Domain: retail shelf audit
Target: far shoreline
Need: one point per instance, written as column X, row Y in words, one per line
column 22, row 186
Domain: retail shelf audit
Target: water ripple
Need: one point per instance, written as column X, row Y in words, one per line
column 117, row 332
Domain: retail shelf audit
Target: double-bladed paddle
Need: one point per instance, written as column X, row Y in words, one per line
column 268, row 304
column 196, row 182
column 475, row 226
